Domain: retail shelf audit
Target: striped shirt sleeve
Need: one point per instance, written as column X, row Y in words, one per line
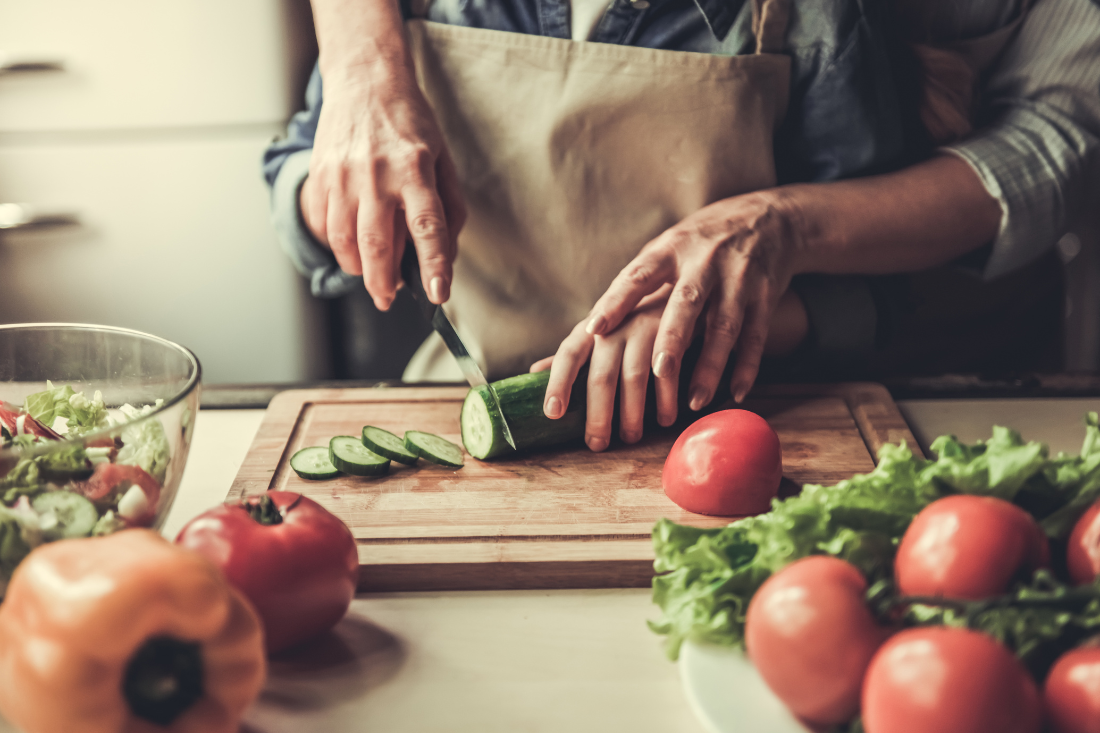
column 1041, row 137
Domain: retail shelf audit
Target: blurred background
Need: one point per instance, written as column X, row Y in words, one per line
column 130, row 190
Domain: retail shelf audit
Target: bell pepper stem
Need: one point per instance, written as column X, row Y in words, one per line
column 163, row 679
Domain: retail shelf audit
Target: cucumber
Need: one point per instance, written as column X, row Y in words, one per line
column 76, row 516
column 349, row 455
column 521, row 399
column 313, row 463
column 386, row 444
column 434, row 449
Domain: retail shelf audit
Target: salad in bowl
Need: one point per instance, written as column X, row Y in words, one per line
column 87, row 457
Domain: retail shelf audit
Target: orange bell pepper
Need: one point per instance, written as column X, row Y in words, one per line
column 126, row 633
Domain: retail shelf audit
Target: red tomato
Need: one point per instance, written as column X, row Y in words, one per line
column 811, row 636
column 1071, row 693
column 725, row 464
column 1083, row 550
column 948, row 680
column 114, row 478
column 299, row 573
column 968, row 547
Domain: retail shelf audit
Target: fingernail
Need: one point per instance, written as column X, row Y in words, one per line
column 596, row 444
column 435, row 287
column 553, row 407
column 699, row 398
column 595, row 326
column 740, row 396
column 662, row 365
column 665, row 420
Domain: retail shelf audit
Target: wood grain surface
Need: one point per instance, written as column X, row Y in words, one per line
column 563, row 518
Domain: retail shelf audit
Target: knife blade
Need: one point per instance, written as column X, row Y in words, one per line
column 410, row 272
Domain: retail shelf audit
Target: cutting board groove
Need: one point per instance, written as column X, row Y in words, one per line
column 564, row 518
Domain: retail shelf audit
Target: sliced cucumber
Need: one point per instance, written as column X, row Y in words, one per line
column 313, row 463
column 386, row 444
column 350, row 456
column 434, row 449
column 75, row 515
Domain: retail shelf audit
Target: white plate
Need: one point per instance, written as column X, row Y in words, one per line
column 728, row 695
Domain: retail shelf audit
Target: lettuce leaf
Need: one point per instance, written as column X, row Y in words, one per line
column 706, row 578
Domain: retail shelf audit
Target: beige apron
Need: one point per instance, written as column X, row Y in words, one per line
column 572, row 156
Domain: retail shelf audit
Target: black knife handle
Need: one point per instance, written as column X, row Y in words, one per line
column 410, row 273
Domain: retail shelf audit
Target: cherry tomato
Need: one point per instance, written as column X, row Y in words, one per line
column 811, row 636
column 1083, row 550
column 1071, row 693
column 294, row 560
column 948, row 680
column 968, row 547
column 725, row 464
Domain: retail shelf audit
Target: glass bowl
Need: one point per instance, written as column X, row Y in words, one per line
column 91, row 464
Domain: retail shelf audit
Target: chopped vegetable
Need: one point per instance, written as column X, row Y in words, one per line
column 349, row 455
column 313, row 463
column 126, row 633
column 387, row 445
column 294, row 560
column 433, row 449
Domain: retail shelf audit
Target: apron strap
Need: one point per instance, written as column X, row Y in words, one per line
column 769, row 24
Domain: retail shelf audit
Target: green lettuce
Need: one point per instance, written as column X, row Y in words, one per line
column 82, row 415
column 144, row 443
column 705, row 578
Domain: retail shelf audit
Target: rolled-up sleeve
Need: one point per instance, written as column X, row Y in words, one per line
column 285, row 167
column 1041, row 134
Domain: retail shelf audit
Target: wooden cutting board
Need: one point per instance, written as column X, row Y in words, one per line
column 564, row 518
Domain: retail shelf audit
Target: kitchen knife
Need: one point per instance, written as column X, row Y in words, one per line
column 410, row 272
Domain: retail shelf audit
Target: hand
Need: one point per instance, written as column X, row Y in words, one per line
column 620, row 358
column 379, row 172
column 733, row 259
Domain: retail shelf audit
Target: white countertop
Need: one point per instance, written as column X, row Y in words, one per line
column 515, row 661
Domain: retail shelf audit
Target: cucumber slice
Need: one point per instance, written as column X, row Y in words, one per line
column 434, row 449
column 313, row 463
column 388, row 445
column 76, row 516
column 350, row 456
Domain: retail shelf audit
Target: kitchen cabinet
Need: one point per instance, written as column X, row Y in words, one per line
column 145, row 131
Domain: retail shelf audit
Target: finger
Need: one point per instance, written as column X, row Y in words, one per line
column 750, row 349
column 570, row 357
column 375, row 233
column 603, row 381
column 313, row 202
column 673, row 337
column 427, row 224
column 653, row 267
column 723, row 326
column 450, row 193
column 340, row 225
column 635, row 374
column 542, row 364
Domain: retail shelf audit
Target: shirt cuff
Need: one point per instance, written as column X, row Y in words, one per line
column 1033, row 179
column 326, row 279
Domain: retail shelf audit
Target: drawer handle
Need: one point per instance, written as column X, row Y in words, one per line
column 21, row 217
column 13, row 64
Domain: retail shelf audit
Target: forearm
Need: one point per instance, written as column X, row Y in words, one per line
column 923, row 216
column 355, row 36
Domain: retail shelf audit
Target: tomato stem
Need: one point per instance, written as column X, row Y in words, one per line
column 264, row 511
column 163, row 679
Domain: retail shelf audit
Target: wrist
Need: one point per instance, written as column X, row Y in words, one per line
column 808, row 228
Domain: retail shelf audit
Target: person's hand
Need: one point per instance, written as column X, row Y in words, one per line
column 732, row 259
column 621, row 360
column 619, row 363
column 380, row 173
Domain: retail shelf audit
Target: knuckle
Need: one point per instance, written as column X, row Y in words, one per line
column 374, row 245
column 427, row 225
column 601, row 376
column 342, row 241
column 691, row 294
column 635, row 376
column 723, row 327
